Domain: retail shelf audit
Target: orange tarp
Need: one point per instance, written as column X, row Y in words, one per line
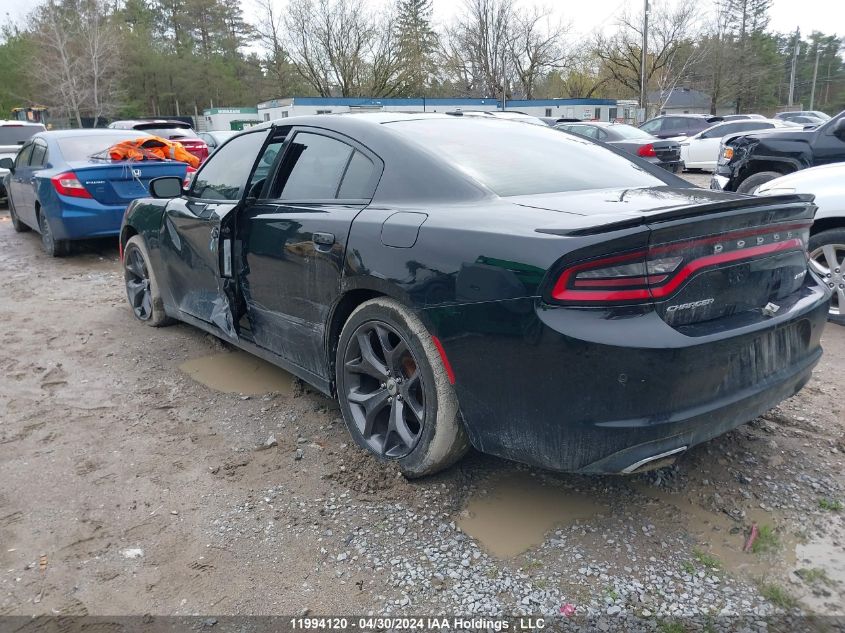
column 152, row 148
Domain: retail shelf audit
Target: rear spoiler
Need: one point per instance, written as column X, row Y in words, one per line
column 768, row 203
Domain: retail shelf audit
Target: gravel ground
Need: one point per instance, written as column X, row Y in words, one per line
column 130, row 488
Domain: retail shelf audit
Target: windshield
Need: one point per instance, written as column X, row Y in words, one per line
column 83, row 147
column 168, row 132
column 18, row 134
column 628, row 131
column 515, row 160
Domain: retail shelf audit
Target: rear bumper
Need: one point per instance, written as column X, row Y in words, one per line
column 77, row 221
column 582, row 390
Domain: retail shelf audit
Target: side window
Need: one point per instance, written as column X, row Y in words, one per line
column 39, row 155
column 226, row 173
column 312, row 169
column 264, row 166
column 587, row 130
column 358, row 180
column 601, row 134
column 652, row 126
column 23, row 156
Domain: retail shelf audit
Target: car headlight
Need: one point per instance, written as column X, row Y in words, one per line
column 774, row 191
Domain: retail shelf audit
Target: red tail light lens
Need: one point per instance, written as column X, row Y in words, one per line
column 67, row 184
column 647, row 151
column 189, row 177
column 657, row 272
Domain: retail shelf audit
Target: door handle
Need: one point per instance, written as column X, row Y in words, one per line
column 323, row 239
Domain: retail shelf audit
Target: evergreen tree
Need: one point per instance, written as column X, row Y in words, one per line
column 417, row 45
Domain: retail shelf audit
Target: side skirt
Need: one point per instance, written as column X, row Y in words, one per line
column 321, row 384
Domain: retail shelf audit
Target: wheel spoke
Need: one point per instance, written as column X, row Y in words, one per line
column 146, row 304
column 368, row 363
column 371, row 403
column 136, row 290
column 840, row 299
column 398, row 424
column 829, row 251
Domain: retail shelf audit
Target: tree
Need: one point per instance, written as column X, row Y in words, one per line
column 417, row 43
column 747, row 20
column 535, row 47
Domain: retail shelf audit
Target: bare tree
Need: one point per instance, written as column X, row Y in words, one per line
column 670, row 29
column 100, row 52
column 329, row 41
column 388, row 69
column 535, row 46
column 477, row 46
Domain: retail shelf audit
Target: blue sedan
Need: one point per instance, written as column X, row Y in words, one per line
column 63, row 185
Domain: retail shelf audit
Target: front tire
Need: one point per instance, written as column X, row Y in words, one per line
column 52, row 246
column 751, row 184
column 394, row 391
column 142, row 290
column 827, row 258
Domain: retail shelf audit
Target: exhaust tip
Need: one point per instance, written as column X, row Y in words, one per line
column 654, row 462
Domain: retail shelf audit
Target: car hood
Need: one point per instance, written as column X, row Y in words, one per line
column 776, row 134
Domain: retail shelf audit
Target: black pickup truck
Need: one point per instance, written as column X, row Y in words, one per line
column 746, row 161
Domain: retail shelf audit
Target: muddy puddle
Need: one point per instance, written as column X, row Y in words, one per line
column 238, row 372
column 821, row 566
column 518, row 511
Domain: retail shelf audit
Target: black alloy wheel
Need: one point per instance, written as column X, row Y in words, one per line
column 137, row 279
column 384, row 389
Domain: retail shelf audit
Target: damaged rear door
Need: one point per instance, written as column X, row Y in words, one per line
column 196, row 243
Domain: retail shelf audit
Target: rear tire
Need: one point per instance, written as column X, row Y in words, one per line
column 52, row 246
column 827, row 256
column 394, row 391
column 19, row 226
column 750, row 184
column 142, row 290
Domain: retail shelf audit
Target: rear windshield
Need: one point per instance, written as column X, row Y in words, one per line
column 629, row 131
column 167, row 131
column 18, row 134
column 83, row 147
column 515, row 160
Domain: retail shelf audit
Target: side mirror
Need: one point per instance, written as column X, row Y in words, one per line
column 166, row 187
column 7, row 163
column 838, row 129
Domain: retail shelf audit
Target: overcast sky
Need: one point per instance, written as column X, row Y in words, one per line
column 587, row 16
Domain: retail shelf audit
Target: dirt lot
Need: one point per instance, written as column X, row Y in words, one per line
column 130, row 487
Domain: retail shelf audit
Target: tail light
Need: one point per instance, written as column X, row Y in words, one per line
column 67, row 184
column 657, row 272
column 647, row 151
column 189, row 177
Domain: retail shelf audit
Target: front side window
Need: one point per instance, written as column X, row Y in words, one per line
column 226, row 173
column 23, row 156
column 652, row 126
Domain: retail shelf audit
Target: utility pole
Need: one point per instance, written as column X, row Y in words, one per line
column 643, row 60
column 794, row 65
column 815, row 75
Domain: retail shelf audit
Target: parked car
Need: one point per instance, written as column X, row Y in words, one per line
column 13, row 134
column 460, row 281
column 552, row 121
column 827, row 236
column 674, row 125
column 740, row 117
column 507, row 115
column 58, row 189
column 812, row 117
column 665, row 154
column 701, row 151
column 749, row 160
column 170, row 130
column 215, row 138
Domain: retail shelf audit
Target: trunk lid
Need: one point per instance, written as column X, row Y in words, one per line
column 667, row 151
column 117, row 183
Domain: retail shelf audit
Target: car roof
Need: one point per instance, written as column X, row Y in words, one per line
column 15, row 123
column 59, row 134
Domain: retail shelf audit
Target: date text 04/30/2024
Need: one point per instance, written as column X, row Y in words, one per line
column 415, row 623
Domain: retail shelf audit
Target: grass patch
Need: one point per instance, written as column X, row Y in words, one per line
column 533, row 565
column 707, row 560
column 778, row 596
column 767, row 540
column 688, row 567
column 540, row 583
column 815, row 576
column 671, row 626
column 612, row 593
column 492, row 573
column 831, row 505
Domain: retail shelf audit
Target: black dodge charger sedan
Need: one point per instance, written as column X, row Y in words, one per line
column 459, row 281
